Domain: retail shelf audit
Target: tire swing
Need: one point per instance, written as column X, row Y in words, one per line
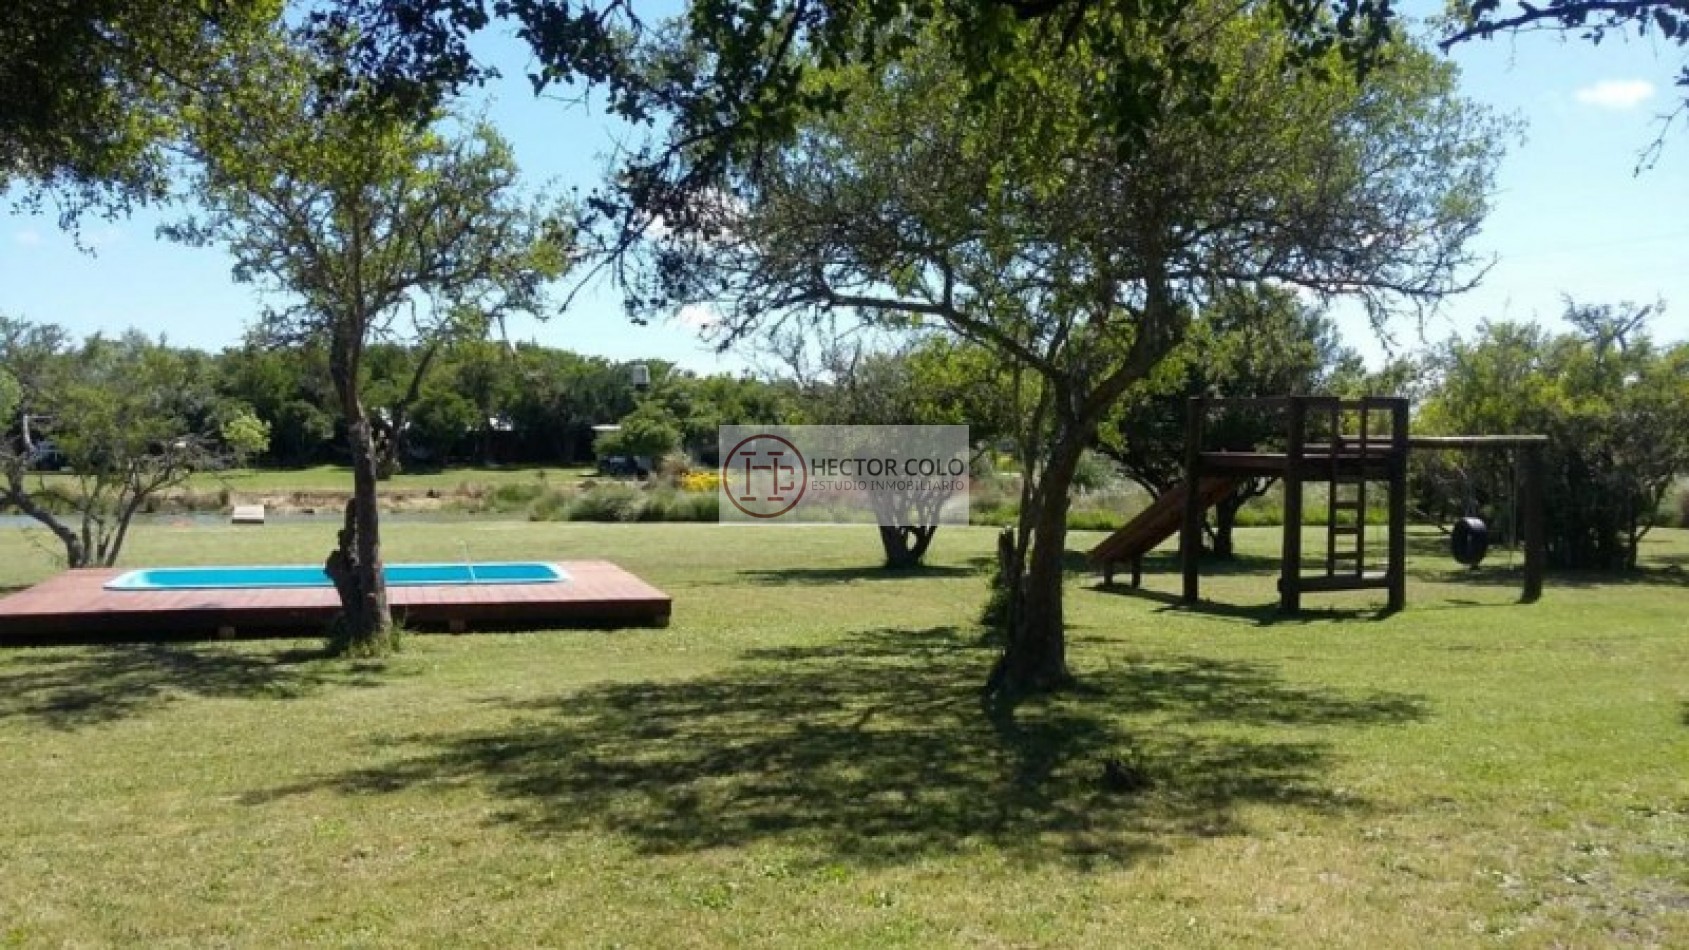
column 1469, row 541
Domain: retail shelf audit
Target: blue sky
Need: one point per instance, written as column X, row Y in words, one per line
column 1569, row 217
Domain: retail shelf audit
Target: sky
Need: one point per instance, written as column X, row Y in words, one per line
column 1571, row 216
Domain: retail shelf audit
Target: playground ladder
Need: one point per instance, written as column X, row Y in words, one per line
column 1352, row 558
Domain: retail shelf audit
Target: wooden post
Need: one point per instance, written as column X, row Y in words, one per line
column 1290, row 567
column 1190, row 536
column 1536, row 547
column 1396, row 570
column 1138, row 571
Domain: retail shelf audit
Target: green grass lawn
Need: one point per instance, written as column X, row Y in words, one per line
column 801, row 759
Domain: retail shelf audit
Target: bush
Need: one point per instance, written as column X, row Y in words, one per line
column 1094, row 471
column 551, row 506
column 701, row 482
column 674, row 467
column 680, row 506
column 608, row 503
column 512, row 496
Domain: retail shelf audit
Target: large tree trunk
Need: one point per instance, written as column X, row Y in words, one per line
column 906, row 546
column 1225, row 520
column 1035, row 658
column 365, row 625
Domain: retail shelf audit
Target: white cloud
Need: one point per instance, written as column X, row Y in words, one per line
column 28, row 237
column 1616, row 93
column 697, row 316
column 103, row 237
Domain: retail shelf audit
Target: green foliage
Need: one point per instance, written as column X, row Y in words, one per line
column 612, row 502
column 11, row 393
column 1247, row 342
column 129, row 418
column 92, row 92
column 1074, row 259
column 669, row 505
column 440, row 420
column 650, row 432
column 356, row 218
column 1614, row 405
column 1093, row 472
column 245, row 434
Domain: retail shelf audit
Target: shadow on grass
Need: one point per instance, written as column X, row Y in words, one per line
column 875, row 750
column 1072, row 562
column 86, row 687
column 846, row 575
column 1429, row 559
column 1261, row 615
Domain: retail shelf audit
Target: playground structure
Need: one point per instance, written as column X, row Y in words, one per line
column 1346, row 444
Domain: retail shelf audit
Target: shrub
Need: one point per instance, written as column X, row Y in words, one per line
column 513, row 495
column 613, row 502
column 551, row 506
column 701, row 481
column 673, row 467
column 1094, row 471
column 680, row 506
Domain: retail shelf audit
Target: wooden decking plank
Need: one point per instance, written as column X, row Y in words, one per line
column 76, row 603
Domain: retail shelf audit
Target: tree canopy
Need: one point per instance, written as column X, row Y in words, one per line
column 362, row 225
column 126, row 418
column 1077, row 259
column 1614, row 404
column 90, row 92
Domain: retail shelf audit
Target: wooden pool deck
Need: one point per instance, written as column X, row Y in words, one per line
column 75, row 607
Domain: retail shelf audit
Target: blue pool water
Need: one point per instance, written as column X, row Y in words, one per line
column 303, row 575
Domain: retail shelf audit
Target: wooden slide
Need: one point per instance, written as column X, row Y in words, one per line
column 1160, row 520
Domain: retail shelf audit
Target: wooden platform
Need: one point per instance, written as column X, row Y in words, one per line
column 75, row 607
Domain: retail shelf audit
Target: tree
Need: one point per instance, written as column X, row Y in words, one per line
column 129, row 418
column 1615, row 408
column 393, row 389
column 287, row 388
column 931, row 380
column 362, row 225
column 648, row 432
column 1075, row 259
column 1248, row 342
column 560, row 398
column 89, row 92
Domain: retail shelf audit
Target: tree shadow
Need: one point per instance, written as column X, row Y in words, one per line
column 1502, row 574
column 1072, row 562
column 1429, row 558
column 87, row 687
column 846, row 575
column 1261, row 615
column 875, row 750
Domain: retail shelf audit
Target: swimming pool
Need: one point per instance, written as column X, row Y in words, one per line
column 304, row 575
